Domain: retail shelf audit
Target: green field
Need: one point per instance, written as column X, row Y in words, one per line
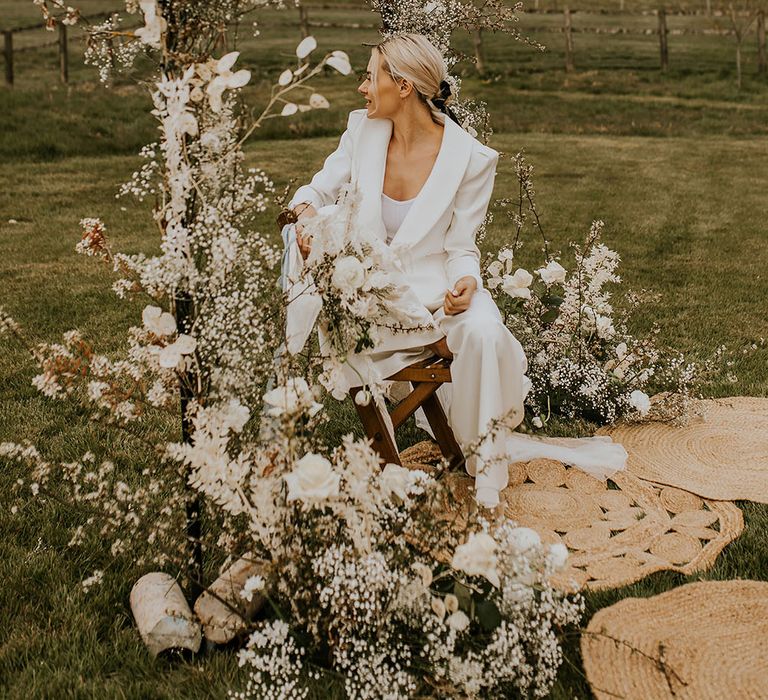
column 674, row 164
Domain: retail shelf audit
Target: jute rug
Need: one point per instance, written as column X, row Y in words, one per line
column 617, row 531
column 702, row 641
column 723, row 455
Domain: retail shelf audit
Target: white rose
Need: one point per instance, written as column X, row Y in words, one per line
column 458, row 621
column 348, row 275
column 621, row 350
column 558, row 555
column 517, row 285
column 552, row 273
column 477, row 557
column 424, row 572
column 294, row 396
column 397, row 480
column 640, row 402
column 157, row 321
column 537, row 422
column 523, row 538
column 313, row 480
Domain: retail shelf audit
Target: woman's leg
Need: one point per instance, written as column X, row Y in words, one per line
column 488, row 382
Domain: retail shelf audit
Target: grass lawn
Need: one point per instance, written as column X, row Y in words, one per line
column 674, row 164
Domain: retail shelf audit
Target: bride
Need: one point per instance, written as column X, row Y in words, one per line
column 426, row 185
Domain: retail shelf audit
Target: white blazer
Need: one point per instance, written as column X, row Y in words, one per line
column 436, row 242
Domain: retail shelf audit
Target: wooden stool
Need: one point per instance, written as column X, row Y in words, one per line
column 425, row 377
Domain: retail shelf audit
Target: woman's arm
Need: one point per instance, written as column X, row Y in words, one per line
column 336, row 172
column 470, row 207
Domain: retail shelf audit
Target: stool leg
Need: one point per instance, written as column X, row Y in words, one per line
column 446, row 440
column 376, row 430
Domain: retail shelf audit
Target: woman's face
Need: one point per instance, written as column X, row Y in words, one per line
column 385, row 99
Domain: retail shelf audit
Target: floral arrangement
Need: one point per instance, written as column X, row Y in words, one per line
column 354, row 282
column 583, row 360
column 358, row 580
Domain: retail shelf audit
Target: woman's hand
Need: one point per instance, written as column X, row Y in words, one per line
column 457, row 300
column 304, row 211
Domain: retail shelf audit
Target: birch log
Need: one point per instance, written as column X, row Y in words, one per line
column 221, row 609
column 162, row 615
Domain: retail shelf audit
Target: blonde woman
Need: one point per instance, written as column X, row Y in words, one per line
column 426, row 186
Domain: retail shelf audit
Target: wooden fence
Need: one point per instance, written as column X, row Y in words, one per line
column 305, row 21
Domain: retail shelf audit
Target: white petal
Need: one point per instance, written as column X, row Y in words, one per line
column 306, row 47
column 215, row 90
column 239, row 79
column 289, row 109
column 169, row 357
column 185, row 344
column 340, row 64
column 285, row 78
column 226, row 62
column 317, row 101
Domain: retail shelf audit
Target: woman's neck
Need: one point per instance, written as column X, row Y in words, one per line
column 413, row 125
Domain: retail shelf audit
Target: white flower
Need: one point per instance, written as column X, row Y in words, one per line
column 317, row 101
column 210, row 141
column 363, row 397
column 306, row 47
column 507, row 255
column 552, row 273
column 157, row 321
column 495, row 270
column 604, row 327
column 171, row 355
column 424, row 572
column 458, row 621
column 340, row 61
column 154, row 25
column 621, row 350
column 398, row 480
column 285, row 78
column 254, row 584
column 225, row 79
column 313, row 480
column 537, row 422
column 640, row 402
column 234, row 415
column 294, row 396
column 477, row 557
column 348, row 275
column 289, row 108
column 517, row 285
column 558, row 555
column 523, row 539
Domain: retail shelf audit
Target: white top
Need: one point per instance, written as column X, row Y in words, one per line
column 393, row 212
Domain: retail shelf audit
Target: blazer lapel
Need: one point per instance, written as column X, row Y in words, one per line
column 440, row 188
column 371, row 161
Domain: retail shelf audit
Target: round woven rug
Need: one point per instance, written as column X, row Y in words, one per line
column 617, row 531
column 702, row 641
column 723, row 455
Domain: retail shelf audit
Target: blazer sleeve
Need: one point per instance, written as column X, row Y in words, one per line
column 336, row 171
column 470, row 206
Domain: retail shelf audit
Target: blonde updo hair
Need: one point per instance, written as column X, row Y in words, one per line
column 414, row 58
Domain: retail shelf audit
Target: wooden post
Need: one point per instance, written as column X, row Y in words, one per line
column 477, row 38
column 303, row 20
column 761, row 62
column 709, row 8
column 567, row 30
column 63, row 54
column 8, row 36
column 663, row 46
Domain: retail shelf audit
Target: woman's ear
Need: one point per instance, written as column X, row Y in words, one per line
column 405, row 88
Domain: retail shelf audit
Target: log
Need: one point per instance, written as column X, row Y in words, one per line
column 162, row 615
column 223, row 612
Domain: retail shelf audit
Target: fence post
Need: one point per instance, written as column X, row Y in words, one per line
column 63, row 55
column 303, row 20
column 479, row 57
column 567, row 30
column 761, row 63
column 663, row 46
column 8, row 37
